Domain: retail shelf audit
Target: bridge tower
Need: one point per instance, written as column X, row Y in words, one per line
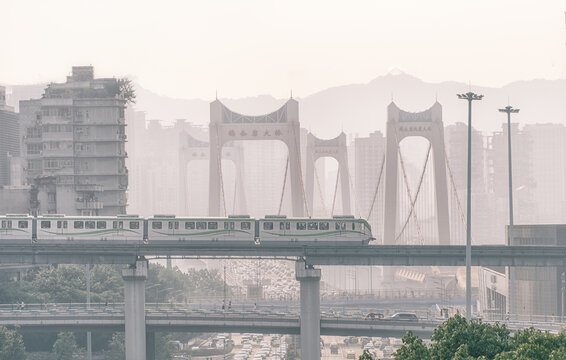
column 282, row 124
column 427, row 124
column 191, row 149
column 335, row 148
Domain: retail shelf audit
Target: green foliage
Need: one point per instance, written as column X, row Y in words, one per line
column 67, row 283
column 480, row 339
column 65, row 346
column 11, row 345
column 413, row 349
column 365, row 356
column 116, row 348
column 531, row 344
column 126, row 89
column 164, row 346
column 173, row 285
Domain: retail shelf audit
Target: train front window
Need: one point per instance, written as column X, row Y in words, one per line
column 228, row 225
column 189, row 225
column 337, row 226
column 23, row 224
column 245, row 225
column 101, row 224
column 282, row 225
column 90, row 224
column 201, row 225
column 134, row 225
column 77, row 224
column 212, row 225
column 312, row 225
column 301, row 225
column 268, row 225
column 156, row 225
column 45, row 224
column 118, row 225
column 173, row 225
column 323, row 226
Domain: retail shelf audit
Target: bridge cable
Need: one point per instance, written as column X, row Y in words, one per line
column 377, row 186
column 411, row 202
column 353, row 188
column 453, row 183
column 417, row 192
column 284, row 183
column 319, row 187
column 219, row 152
column 336, row 191
column 297, row 151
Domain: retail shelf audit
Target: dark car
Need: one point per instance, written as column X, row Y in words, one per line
column 374, row 316
column 404, row 317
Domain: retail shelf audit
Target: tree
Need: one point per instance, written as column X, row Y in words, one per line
column 11, row 345
column 480, row 339
column 116, row 348
column 126, row 89
column 65, row 346
column 365, row 356
column 413, row 349
column 531, row 344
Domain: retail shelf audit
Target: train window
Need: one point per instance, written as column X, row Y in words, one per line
column 287, row 226
column 173, row 225
column 301, row 225
column 212, row 225
column 101, row 224
column 323, row 226
column 76, row 224
column 134, row 224
column 201, row 225
column 228, row 225
column 45, row 224
column 118, row 224
column 90, row 224
column 23, row 224
column 156, row 225
column 245, row 225
column 312, row 225
column 343, row 226
column 62, row 224
column 3, row 224
column 340, row 226
column 268, row 225
column 353, row 226
column 190, row 225
column 282, row 225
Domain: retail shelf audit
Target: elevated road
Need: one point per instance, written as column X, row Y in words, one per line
column 83, row 252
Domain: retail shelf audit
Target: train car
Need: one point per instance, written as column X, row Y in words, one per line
column 59, row 228
column 233, row 229
column 340, row 230
column 16, row 228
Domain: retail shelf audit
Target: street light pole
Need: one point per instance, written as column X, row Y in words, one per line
column 470, row 96
column 509, row 109
column 563, row 277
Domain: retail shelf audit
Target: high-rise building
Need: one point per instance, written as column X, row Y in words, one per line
column 549, row 171
column 9, row 138
column 75, row 136
column 369, row 158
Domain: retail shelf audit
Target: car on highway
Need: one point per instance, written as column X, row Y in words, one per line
column 404, row 316
column 374, row 316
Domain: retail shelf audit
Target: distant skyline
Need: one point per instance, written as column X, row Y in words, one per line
column 251, row 47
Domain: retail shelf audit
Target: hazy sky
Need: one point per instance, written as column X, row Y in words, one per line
column 189, row 49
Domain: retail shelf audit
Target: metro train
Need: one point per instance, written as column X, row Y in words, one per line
column 237, row 229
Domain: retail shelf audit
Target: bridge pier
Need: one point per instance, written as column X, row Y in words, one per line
column 150, row 345
column 309, row 280
column 134, row 301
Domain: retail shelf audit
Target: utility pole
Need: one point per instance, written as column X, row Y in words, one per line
column 88, row 334
column 510, row 278
column 469, row 96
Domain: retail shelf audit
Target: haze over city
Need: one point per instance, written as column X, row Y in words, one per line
column 378, row 210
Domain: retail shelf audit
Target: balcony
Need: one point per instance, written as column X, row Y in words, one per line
column 89, row 187
column 89, row 205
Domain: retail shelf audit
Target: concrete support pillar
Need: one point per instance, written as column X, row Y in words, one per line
column 134, row 301
column 150, row 345
column 309, row 280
